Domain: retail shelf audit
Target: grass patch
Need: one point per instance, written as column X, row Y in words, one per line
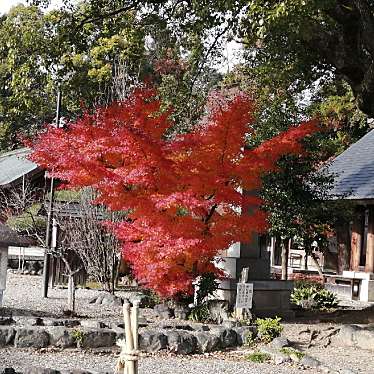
column 258, row 357
column 291, row 351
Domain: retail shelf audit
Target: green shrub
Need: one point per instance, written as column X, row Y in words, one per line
column 78, row 336
column 314, row 297
column 305, row 283
column 206, row 287
column 199, row 313
column 268, row 328
column 249, row 339
column 258, row 357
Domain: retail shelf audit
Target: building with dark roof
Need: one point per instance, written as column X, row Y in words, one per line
column 354, row 170
column 354, row 181
column 14, row 166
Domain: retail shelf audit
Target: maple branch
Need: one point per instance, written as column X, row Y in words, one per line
column 210, row 214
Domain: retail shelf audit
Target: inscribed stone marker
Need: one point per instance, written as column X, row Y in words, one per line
column 244, row 295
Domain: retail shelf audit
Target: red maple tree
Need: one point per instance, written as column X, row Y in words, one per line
column 183, row 195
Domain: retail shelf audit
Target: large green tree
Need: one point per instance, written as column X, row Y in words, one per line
column 94, row 60
column 39, row 55
column 306, row 39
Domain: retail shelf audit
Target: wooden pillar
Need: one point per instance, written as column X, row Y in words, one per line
column 344, row 248
column 285, row 245
column 369, row 266
column 356, row 239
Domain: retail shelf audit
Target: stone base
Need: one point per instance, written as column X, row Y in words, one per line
column 365, row 287
column 270, row 297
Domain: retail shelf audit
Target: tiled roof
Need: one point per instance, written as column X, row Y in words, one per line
column 354, row 170
column 9, row 237
column 14, row 164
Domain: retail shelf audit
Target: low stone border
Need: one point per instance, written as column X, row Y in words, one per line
column 280, row 352
column 354, row 336
column 22, row 332
column 39, row 370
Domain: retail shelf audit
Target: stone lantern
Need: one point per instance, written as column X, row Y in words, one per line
column 8, row 237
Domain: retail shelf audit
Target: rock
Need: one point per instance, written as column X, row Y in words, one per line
column 310, row 362
column 279, row 342
column 346, row 336
column 31, row 337
column 53, row 322
column 108, row 299
column 70, row 323
column 365, row 339
column 4, row 370
column 218, row 310
column 143, row 300
column 245, row 334
column 163, row 311
column 181, row 312
column 181, row 342
column 152, row 341
column 203, row 328
column 96, row 338
column 206, row 342
column 38, row 370
column 281, row 358
column 6, row 321
column 276, row 356
column 93, row 300
column 120, row 332
column 6, row 335
column 60, row 337
column 28, row 321
column 228, row 337
column 229, row 324
column 99, row 298
column 92, row 324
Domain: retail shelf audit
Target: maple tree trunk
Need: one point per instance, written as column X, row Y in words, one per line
column 284, row 246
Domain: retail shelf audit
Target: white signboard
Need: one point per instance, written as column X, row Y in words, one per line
column 244, row 295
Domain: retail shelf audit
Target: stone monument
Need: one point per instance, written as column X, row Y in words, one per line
column 270, row 297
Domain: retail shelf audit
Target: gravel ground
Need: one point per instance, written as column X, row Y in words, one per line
column 23, row 297
column 18, row 359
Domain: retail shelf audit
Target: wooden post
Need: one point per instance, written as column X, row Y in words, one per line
column 285, row 251
column 272, row 251
column 71, row 293
column 356, row 240
column 369, row 266
column 343, row 243
column 135, row 327
column 128, row 360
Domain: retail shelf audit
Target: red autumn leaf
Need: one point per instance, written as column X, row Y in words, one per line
column 183, row 195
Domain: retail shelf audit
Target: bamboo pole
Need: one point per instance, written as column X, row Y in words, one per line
column 135, row 327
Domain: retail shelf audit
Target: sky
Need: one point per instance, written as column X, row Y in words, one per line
column 5, row 5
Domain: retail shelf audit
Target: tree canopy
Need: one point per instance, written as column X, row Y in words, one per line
column 302, row 39
column 183, row 195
